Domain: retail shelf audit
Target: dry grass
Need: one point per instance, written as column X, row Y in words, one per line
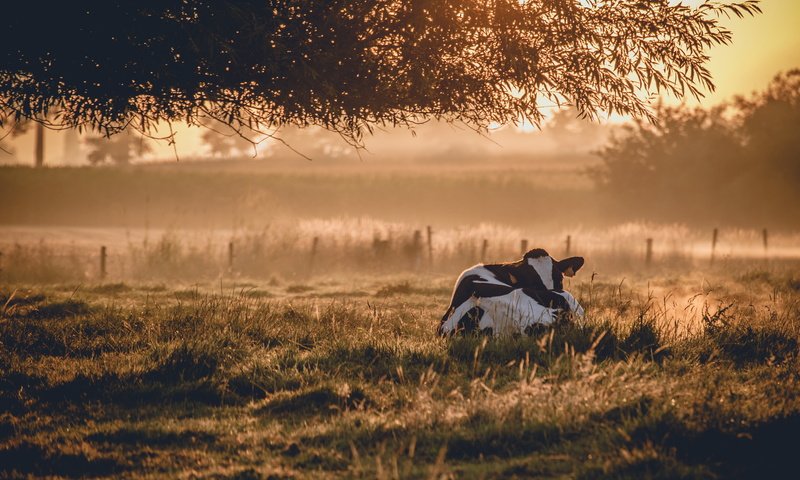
column 687, row 375
column 353, row 247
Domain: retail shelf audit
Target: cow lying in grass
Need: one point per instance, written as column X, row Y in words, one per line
column 511, row 297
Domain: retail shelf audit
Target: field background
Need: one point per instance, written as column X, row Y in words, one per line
column 279, row 359
column 253, row 194
column 179, row 220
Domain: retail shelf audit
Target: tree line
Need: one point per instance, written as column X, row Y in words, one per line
column 735, row 162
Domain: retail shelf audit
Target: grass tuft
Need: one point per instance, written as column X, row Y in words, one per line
column 110, row 288
column 324, row 400
column 58, row 310
column 25, row 459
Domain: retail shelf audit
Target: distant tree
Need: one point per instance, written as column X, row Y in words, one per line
column 737, row 159
column 14, row 130
column 567, row 127
column 71, row 152
column 226, row 145
column 673, row 154
column 20, row 127
column 5, row 148
column 348, row 66
column 770, row 125
column 118, row 149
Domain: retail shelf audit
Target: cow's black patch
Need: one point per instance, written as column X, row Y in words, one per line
column 470, row 321
column 575, row 262
column 548, row 298
column 464, row 290
column 558, row 279
column 485, row 290
column 536, row 329
column 517, row 274
column 535, row 253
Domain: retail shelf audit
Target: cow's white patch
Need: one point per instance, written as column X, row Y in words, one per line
column 514, row 312
column 544, row 267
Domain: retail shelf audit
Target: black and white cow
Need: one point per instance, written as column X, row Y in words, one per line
column 511, row 296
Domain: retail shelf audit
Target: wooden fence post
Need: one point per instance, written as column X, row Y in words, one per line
column 765, row 237
column 230, row 256
column 146, row 220
column 483, row 249
column 648, row 259
column 430, row 246
column 523, row 245
column 569, row 245
column 416, row 246
column 714, row 237
column 314, row 246
column 103, row 262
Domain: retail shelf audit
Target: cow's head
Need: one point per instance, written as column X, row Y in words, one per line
column 551, row 271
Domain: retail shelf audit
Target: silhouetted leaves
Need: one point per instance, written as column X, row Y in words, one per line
column 348, row 66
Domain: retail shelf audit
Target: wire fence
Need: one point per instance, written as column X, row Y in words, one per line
column 325, row 249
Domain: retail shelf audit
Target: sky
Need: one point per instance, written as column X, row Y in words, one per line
column 762, row 46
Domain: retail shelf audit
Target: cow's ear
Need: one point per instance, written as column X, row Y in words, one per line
column 575, row 262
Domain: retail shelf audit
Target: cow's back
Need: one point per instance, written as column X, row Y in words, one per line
column 470, row 279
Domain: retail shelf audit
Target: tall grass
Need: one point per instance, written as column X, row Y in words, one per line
column 128, row 380
column 356, row 246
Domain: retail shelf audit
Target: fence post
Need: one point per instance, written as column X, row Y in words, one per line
column 314, row 245
column 146, row 219
column 483, row 249
column 648, row 259
column 430, row 246
column 569, row 245
column 230, row 256
column 765, row 236
column 416, row 246
column 714, row 237
column 103, row 262
column 523, row 245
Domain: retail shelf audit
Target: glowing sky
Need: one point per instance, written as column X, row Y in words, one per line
column 762, row 46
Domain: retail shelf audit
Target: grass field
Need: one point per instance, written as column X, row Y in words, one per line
column 256, row 321
column 229, row 195
column 675, row 374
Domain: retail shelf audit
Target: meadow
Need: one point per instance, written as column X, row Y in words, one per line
column 252, row 322
column 687, row 372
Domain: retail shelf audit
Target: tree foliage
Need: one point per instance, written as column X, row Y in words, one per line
column 736, row 161
column 348, row 66
column 226, row 145
column 118, row 150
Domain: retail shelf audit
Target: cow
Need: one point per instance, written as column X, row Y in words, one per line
column 494, row 297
